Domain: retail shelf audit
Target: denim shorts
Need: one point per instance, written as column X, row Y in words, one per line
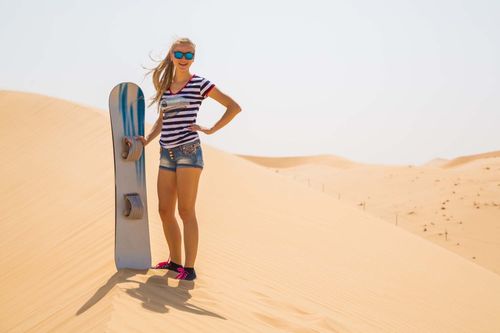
column 187, row 155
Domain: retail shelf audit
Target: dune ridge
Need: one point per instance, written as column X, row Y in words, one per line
column 470, row 158
column 294, row 161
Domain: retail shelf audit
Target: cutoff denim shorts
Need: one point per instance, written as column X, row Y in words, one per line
column 187, row 155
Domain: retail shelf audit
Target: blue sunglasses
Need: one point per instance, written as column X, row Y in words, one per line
column 187, row 55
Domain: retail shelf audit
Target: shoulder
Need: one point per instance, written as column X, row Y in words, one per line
column 199, row 78
column 205, row 84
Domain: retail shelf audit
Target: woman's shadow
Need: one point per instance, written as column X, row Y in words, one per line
column 155, row 294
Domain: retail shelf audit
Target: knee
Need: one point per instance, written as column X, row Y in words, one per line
column 166, row 214
column 186, row 214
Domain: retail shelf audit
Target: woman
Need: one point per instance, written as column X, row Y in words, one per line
column 179, row 95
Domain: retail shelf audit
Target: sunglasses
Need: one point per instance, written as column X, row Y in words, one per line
column 187, row 55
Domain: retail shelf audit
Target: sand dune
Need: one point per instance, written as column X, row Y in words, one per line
column 288, row 162
column 437, row 162
column 467, row 159
column 274, row 256
column 455, row 204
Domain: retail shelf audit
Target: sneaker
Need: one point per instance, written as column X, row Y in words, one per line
column 186, row 273
column 170, row 265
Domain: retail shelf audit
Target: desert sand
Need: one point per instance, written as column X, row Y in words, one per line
column 453, row 203
column 277, row 253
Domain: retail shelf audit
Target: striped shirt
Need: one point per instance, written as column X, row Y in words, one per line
column 175, row 129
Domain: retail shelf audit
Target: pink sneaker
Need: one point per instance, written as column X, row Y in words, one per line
column 186, row 273
column 167, row 265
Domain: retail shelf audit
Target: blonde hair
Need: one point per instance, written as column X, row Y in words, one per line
column 163, row 74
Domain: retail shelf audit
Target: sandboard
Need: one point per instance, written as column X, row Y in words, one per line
column 132, row 244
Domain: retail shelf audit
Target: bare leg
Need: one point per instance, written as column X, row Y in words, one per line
column 187, row 188
column 167, row 198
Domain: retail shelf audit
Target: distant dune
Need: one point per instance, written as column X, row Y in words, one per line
column 274, row 256
column 455, row 204
column 437, row 162
column 288, row 162
column 467, row 159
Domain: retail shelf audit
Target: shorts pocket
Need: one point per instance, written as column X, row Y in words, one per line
column 189, row 149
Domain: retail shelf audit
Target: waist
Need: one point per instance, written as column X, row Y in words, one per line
column 195, row 142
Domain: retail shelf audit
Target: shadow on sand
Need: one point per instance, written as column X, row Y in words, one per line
column 155, row 294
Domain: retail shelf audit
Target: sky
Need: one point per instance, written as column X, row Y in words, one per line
column 386, row 82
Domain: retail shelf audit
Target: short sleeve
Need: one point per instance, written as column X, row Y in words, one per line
column 205, row 87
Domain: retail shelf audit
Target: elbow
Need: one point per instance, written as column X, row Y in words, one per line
column 236, row 108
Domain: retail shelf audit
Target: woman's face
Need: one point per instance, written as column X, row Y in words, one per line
column 182, row 64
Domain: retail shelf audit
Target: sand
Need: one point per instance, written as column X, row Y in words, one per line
column 453, row 203
column 275, row 255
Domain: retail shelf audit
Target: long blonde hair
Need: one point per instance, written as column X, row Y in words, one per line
column 163, row 74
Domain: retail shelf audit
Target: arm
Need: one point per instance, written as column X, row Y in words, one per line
column 232, row 108
column 155, row 130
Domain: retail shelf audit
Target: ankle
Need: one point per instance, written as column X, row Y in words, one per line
column 175, row 264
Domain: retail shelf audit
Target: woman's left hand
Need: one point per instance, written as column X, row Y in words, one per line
column 195, row 127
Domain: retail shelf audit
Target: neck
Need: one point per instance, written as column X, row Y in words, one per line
column 180, row 76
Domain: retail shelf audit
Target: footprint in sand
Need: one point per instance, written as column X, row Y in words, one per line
column 311, row 321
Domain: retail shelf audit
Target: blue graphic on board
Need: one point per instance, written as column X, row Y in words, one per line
column 140, row 124
column 132, row 111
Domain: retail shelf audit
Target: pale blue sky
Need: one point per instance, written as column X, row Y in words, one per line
column 374, row 81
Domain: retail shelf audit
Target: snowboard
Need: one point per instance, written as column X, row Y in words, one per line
column 132, row 243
